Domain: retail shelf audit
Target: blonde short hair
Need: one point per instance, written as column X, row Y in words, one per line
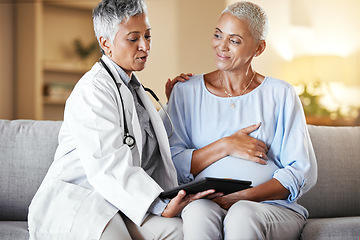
column 254, row 15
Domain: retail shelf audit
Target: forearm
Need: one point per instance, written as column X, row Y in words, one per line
column 207, row 155
column 270, row 190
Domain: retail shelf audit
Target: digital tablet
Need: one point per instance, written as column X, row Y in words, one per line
column 223, row 185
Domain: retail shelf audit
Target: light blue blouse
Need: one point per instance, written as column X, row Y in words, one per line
column 200, row 118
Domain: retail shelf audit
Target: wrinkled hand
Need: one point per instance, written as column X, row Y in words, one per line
column 170, row 83
column 241, row 145
column 177, row 204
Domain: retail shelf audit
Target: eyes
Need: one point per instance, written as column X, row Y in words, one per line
column 134, row 39
column 135, row 36
column 233, row 39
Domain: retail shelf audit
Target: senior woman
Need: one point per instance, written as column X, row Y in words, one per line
column 236, row 123
column 113, row 158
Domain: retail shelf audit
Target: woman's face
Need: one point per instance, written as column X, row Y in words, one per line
column 131, row 45
column 234, row 45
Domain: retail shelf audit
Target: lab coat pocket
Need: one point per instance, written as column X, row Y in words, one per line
column 55, row 206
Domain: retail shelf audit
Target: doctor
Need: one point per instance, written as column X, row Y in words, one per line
column 113, row 158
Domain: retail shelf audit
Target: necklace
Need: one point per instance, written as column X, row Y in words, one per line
column 230, row 95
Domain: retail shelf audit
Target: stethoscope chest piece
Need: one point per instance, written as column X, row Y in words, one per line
column 129, row 140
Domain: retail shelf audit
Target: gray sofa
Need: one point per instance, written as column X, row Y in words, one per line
column 27, row 148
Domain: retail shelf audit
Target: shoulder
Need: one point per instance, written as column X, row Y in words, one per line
column 278, row 83
column 278, row 86
column 195, row 82
column 96, row 78
column 284, row 93
column 94, row 84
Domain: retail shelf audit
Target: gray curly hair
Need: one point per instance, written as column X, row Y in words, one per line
column 254, row 15
column 110, row 13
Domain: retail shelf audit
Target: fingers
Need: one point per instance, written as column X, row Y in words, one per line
column 251, row 128
column 261, row 149
column 262, row 146
column 214, row 195
column 185, row 76
column 258, row 143
column 170, row 83
column 259, row 155
column 181, row 78
column 168, row 89
column 201, row 194
column 258, row 160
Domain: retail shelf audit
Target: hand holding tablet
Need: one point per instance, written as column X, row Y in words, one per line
column 223, row 185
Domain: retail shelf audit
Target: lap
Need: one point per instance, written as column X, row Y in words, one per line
column 154, row 227
column 115, row 229
column 254, row 220
column 244, row 220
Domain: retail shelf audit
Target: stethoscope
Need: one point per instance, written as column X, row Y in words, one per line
column 128, row 139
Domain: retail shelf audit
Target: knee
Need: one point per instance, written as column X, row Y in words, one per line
column 243, row 218
column 246, row 209
column 201, row 209
column 174, row 230
column 202, row 220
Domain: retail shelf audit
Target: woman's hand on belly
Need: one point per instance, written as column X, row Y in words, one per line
column 241, row 145
column 270, row 190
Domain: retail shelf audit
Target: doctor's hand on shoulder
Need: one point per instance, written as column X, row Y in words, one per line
column 170, row 83
column 177, row 204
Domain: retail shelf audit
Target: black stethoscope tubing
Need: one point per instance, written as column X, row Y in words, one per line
column 128, row 139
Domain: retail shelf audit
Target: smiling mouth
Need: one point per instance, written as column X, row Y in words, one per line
column 222, row 57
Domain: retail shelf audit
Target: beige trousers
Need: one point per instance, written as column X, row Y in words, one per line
column 204, row 219
column 154, row 227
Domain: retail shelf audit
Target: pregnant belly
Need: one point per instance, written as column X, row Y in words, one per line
column 236, row 168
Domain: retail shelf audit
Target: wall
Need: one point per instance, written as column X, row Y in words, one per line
column 322, row 41
column 312, row 39
column 7, row 61
column 181, row 34
column 315, row 42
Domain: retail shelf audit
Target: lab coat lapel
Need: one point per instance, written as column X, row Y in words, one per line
column 168, row 178
column 157, row 123
column 130, row 111
column 131, row 116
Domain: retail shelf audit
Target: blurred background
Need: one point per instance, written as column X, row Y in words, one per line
column 47, row 45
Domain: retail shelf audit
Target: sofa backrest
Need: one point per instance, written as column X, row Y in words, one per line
column 337, row 191
column 27, row 150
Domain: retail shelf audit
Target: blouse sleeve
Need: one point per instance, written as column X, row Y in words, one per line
column 292, row 147
column 180, row 142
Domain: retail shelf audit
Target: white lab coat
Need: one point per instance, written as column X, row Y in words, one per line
column 94, row 175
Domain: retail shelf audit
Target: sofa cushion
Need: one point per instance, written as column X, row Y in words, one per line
column 14, row 230
column 337, row 191
column 347, row 228
column 27, row 149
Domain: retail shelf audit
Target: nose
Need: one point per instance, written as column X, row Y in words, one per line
column 223, row 44
column 144, row 45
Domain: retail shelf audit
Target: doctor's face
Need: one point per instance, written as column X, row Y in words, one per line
column 131, row 45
